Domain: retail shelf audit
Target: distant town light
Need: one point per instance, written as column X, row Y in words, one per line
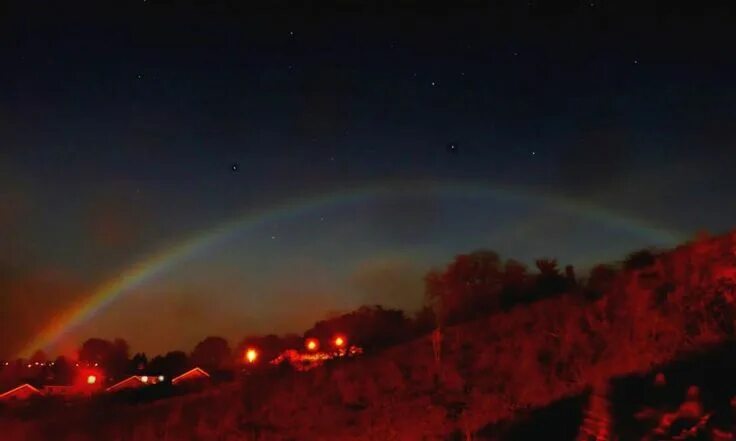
column 312, row 344
column 144, row 379
column 91, row 379
column 251, row 355
column 160, row 378
column 339, row 341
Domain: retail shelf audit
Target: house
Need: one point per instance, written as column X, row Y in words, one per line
column 61, row 391
column 191, row 375
column 22, row 392
column 135, row 382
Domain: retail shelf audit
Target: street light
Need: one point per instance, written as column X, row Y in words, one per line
column 312, row 344
column 339, row 341
column 91, row 379
column 251, row 355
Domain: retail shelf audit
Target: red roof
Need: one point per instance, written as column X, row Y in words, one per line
column 22, row 391
column 134, row 381
column 192, row 374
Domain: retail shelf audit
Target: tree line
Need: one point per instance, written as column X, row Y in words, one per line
column 471, row 286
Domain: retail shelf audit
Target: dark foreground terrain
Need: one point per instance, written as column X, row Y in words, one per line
column 524, row 373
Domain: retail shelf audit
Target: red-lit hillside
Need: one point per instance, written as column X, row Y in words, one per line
column 488, row 369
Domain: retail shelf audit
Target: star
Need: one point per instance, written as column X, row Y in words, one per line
column 434, row 83
column 534, row 153
column 140, row 76
column 235, row 167
column 452, row 147
column 273, row 237
column 291, row 33
column 636, row 61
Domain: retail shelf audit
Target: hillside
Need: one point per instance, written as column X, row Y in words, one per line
column 490, row 368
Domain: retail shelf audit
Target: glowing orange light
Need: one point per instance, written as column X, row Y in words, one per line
column 339, row 341
column 251, row 355
column 312, row 344
column 91, row 379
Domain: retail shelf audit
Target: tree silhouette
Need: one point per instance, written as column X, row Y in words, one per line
column 470, row 285
column 62, row 371
column 639, row 260
column 438, row 297
column 547, row 267
column 549, row 281
column 515, row 282
column 369, row 326
column 119, row 361
column 139, row 362
column 212, row 353
column 169, row 365
column 600, row 280
column 38, row 357
column 424, row 320
column 95, row 350
column 113, row 356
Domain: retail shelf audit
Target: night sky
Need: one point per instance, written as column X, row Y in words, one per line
column 358, row 145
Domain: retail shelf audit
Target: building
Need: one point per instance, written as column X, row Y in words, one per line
column 135, row 382
column 62, row 391
column 191, row 375
column 22, row 392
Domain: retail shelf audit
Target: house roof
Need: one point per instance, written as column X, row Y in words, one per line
column 11, row 392
column 192, row 373
column 128, row 381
